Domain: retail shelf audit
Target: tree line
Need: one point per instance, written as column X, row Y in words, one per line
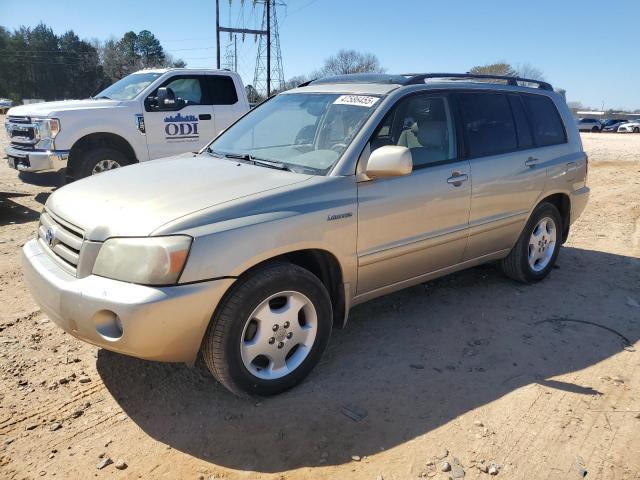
column 352, row 61
column 37, row 63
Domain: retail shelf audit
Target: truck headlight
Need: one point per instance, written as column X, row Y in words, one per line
column 47, row 128
column 146, row 260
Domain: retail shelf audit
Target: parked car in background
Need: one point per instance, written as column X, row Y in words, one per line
column 251, row 252
column 632, row 126
column 612, row 124
column 146, row 115
column 5, row 104
column 589, row 125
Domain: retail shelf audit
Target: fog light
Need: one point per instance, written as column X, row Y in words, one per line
column 108, row 325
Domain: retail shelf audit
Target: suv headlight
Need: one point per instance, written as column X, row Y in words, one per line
column 46, row 128
column 146, row 260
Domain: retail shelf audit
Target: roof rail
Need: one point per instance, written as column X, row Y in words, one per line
column 304, row 84
column 417, row 78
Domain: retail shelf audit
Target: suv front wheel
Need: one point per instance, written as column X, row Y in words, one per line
column 270, row 330
column 536, row 251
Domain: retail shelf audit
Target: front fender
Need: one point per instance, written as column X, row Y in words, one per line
column 320, row 217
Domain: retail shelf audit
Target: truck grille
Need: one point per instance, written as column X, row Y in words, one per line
column 21, row 131
column 16, row 119
column 62, row 240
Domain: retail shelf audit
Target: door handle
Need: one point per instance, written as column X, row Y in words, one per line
column 204, row 116
column 531, row 162
column 457, row 178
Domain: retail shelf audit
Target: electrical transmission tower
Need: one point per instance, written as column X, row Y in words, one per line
column 268, row 73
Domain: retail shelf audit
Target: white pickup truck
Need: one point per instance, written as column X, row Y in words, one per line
column 146, row 115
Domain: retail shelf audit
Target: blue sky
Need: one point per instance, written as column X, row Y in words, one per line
column 579, row 45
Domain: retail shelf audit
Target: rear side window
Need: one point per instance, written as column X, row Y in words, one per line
column 545, row 120
column 525, row 140
column 488, row 123
column 222, row 90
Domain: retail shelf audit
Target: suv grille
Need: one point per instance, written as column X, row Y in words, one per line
column 62, row 240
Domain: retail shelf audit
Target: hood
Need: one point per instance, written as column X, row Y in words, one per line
column 46, row 109
column 138, row 199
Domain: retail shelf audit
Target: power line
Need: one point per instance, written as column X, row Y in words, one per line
column 287, row 14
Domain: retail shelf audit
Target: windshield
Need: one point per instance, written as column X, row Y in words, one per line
column 305, row 132
column 128, row 87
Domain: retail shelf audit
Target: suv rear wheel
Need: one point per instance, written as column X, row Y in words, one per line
column 270, row 330
column 595, row 129
column 536, row 251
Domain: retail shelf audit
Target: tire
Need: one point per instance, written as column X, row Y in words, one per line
column 595, row 129
column 517, row 265
column 236, row 337
column 101, row 159
column 636, row 129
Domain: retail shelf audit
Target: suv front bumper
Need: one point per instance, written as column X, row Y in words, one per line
column 156, row 323
column 36, row 160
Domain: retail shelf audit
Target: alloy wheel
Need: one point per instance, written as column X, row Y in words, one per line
column 104, row 165
column 278, row 335
column 542, row 244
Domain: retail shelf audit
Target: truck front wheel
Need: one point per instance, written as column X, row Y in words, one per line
column 100, row 160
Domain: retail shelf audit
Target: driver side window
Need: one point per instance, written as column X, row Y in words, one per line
column 188, row 89
column 422, row 123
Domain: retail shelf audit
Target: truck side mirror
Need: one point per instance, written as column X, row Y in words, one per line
column 166, row 99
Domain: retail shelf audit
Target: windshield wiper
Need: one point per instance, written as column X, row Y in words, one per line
column 269, row 164
column 102, row 96
column 260, row 162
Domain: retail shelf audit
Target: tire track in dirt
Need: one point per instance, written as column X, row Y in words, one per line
column 11, row 423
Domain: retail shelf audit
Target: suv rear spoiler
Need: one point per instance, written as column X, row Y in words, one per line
column 418, row 78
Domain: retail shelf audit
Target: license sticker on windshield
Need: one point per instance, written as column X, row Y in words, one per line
column 360, row 100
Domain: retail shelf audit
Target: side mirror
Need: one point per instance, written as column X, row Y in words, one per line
column 166, row 99
column 389, row 161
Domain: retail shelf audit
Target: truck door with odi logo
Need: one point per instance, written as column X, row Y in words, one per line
column 188, row 127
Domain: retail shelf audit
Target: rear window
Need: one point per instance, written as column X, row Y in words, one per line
column 222, row 90
column 545, row 120
column 488, row 124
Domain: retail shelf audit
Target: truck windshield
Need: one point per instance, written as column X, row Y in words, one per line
column 128, row 87
column 302, row 131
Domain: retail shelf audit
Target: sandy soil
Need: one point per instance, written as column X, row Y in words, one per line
column 542, row 380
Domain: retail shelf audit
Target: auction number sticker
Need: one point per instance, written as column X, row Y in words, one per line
column 360, row 100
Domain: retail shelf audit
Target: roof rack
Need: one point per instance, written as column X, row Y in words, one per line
column 418, row 78
column 382, row 78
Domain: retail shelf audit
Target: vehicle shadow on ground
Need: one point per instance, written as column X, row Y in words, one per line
column 405, row 365
column 12, row 212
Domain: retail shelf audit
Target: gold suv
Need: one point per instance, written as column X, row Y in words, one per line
column 323, row 197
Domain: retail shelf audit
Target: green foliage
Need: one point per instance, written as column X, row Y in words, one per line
column 37, row 63
column 498, row 68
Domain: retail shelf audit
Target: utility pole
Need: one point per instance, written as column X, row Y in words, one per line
column 218, row 33
column 231, row 30
column 268, row 48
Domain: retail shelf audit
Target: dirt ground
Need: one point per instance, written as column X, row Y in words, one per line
column 543, row 381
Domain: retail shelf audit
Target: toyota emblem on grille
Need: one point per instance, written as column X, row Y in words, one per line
column 50, row 236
